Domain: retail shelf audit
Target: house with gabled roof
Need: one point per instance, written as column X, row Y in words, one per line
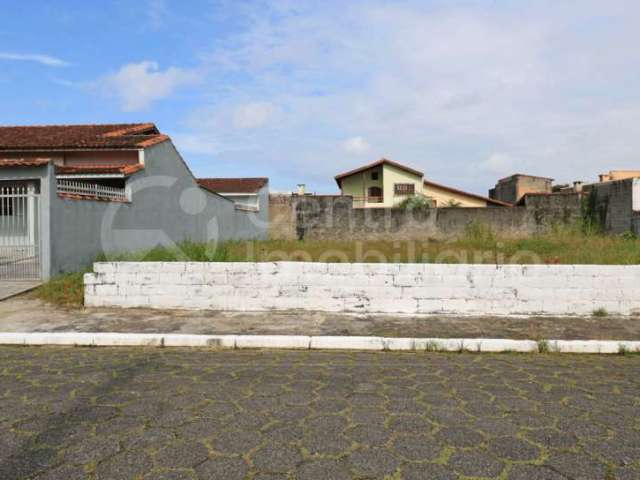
column 386, row 184
column 71, row 192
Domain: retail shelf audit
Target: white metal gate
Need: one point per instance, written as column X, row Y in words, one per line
column 19, row 232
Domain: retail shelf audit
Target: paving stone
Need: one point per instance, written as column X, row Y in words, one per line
column 200, row 414
column 182, row 455
column 459, row 437
column 170, row 475
column 427, row 471
column 93, row 449
column 276, row 458
column 324, row 469
column 371, row 435
column 223, row 468
column 534, row 472
column 627, row 473
column 271, row 476
column 577, row 466
column 373, row 462
column 326, row 444
column 236, row 441
column 125, row 466
column 29, row 462
column 417, row 447
column 510, row 448
column 475, row 464
column 552, row 438
column 66, row 472
column 410, row 424
column 147, row 439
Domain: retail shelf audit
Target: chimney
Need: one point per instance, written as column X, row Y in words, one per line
column 577, row 186
column 301, row 189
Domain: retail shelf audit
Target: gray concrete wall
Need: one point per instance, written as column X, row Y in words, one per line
column 333, row 217
column 614, row 204
column 635, row 223
column 167, row 207
column 282, row 219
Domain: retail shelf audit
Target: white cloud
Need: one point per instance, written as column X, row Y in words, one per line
column 138, row 85
column 46, row 60
column 356, row 145
column 499, row 164
column 252, row 115
column 543, row 87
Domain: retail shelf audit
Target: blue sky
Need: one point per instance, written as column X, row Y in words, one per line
column 467, row 91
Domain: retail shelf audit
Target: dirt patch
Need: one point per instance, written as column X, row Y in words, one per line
column 25, row 313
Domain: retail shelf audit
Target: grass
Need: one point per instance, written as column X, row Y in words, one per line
column 600, row 312
column 64, row 290
column 543, row 346
column 479, row 245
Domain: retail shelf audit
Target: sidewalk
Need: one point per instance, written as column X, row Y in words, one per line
column 27, row 314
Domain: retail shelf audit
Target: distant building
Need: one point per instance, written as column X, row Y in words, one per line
column 614, row 175
column 512, row 189
column 248, row 193
column 385, row 184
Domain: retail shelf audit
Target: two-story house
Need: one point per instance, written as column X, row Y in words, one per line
column 386, row 184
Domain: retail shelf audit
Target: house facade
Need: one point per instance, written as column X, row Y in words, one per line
column 386, row 184
column 511, row 189
column 614, row 175
column 250, row 194
column 70, row 193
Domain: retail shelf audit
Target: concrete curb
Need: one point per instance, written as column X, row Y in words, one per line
column 301, row 342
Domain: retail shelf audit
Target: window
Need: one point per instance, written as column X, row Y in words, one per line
column 374, row 176
column 375, row 195
column 404, row 189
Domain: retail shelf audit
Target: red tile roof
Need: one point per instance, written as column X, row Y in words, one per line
column 74, row 137
column 382, row 161
column 233, row 185
column 99, row 169
column 23, row 162
column 467, row 194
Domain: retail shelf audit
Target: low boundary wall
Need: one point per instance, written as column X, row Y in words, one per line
column 368, row 288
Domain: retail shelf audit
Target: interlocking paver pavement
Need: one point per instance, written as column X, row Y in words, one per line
column 192, row 414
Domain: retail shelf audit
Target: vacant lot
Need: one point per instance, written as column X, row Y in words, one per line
column 478, row 246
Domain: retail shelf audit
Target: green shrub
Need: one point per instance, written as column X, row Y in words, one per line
column 416, row 202
column 543, row 346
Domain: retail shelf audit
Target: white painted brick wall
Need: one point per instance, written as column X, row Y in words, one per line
column 367, row 288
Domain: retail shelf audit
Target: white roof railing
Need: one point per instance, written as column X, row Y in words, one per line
column 92, row 190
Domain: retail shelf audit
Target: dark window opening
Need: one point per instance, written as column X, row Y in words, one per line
column 374, row 176
column 375, row 195
column 404, row 189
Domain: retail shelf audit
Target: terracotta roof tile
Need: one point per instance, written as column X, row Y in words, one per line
column 99, row 169
column 23, row 162
column 467, row 194
column 233, row 185
column 68, row 137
